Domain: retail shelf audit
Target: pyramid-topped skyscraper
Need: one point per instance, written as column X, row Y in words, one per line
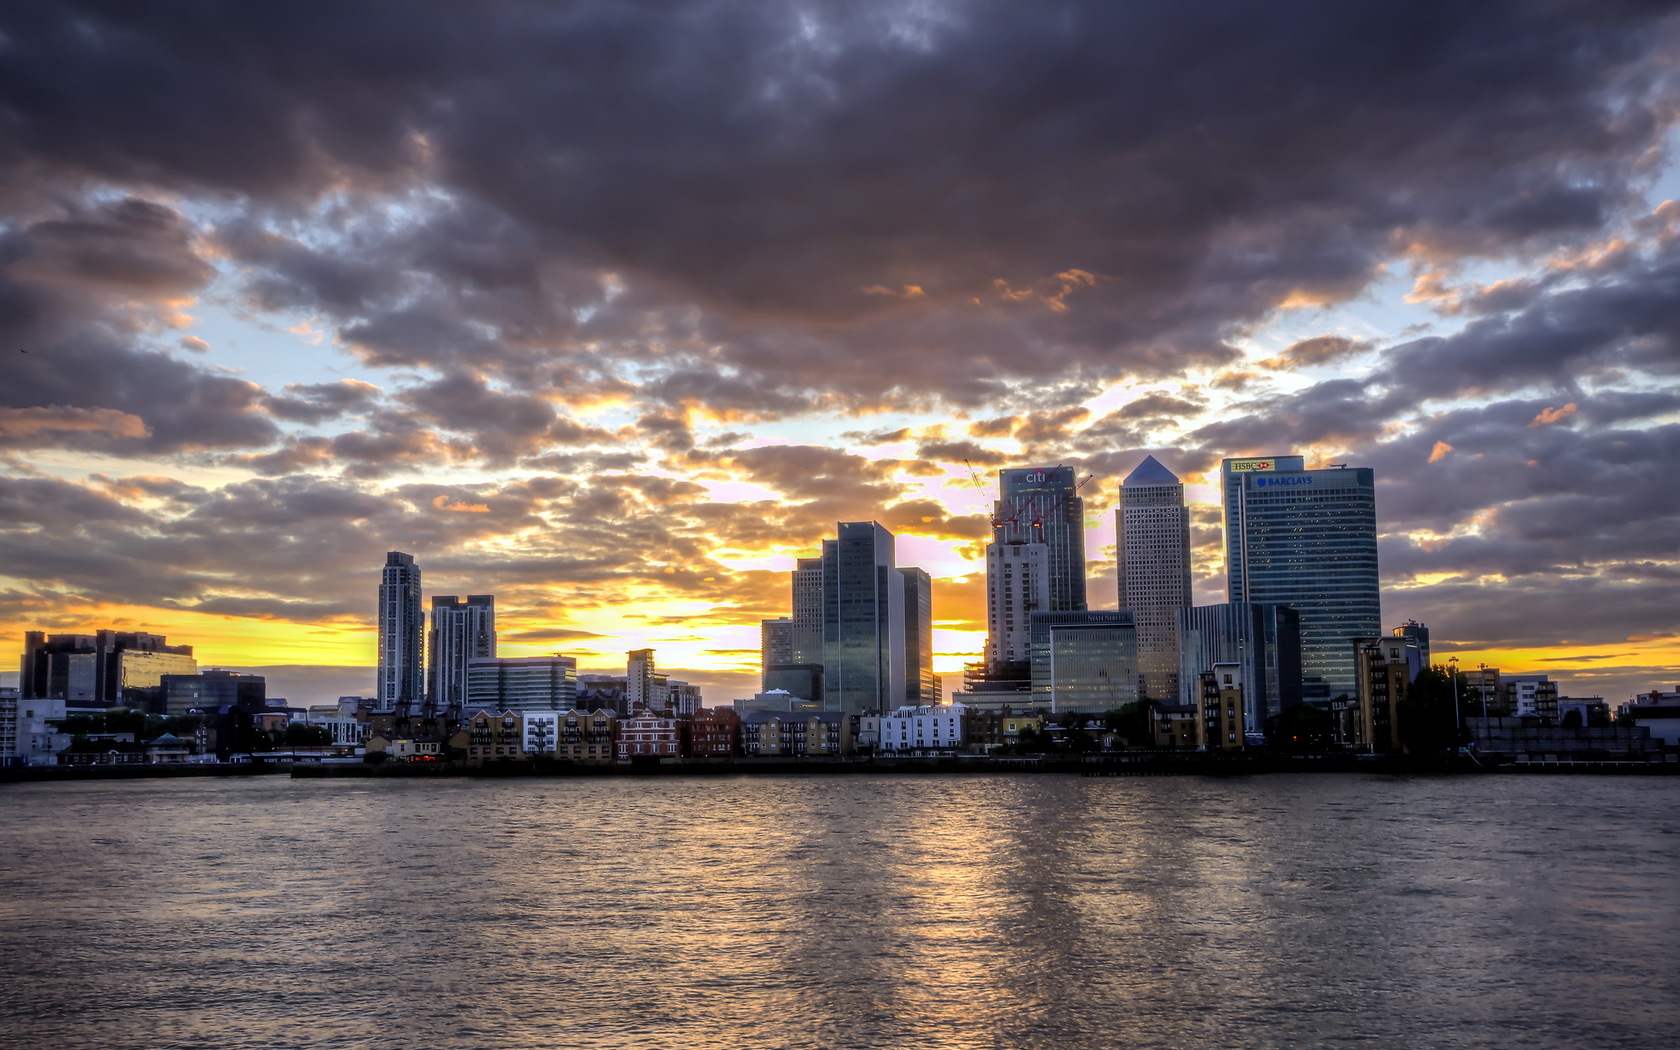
column 1152, row 548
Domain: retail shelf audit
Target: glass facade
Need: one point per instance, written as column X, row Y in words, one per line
column 1263, row 641
column 1084, row 661
column 1042, row 505
column 1308, row 539
column 919, row 687
column 402, row 630
column 863, row 620
column 522, row 683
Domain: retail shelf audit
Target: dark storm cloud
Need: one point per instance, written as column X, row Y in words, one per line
column 77, row 290
column 868, row 199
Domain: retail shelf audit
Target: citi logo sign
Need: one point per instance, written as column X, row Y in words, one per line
column 1037, row 477
column 1302, row 480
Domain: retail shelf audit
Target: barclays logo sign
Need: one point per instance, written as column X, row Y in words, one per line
column 1298, row 479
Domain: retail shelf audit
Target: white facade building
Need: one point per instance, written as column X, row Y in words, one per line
column 1017, row 585
column 939, row 728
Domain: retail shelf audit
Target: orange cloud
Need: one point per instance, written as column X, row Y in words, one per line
column 1550, row 415
column 28, row 422
column 443, row 503
column 1439, row 452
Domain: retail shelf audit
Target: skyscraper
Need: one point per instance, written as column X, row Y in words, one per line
column 919, row 686
column 863, row 620
column 775, row 647
column 807, row 638
column 1017, row 585
column 460, row 632
column 1152, row 549
column 1308, row 539
column 1042, row 505
column 402, row 628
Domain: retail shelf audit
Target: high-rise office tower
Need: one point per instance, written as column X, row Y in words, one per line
column 461, row 631
column 863, row 620
column 1042, row 505
column 1308, row 539
column 1152, row 549
column 807, row 639
column 1084, row 661
column 1231, row 474
column 919, row 685
column 1017, row 585
column 775, row 647
column 402, row 630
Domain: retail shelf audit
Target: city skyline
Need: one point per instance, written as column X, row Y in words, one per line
column 621, row 363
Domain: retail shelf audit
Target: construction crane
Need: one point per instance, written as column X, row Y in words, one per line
column 1038, row 522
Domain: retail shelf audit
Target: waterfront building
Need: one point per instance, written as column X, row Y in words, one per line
column 642, row 735
column 9, row 726
column 1657, row 710
column 345, row 720
column 1084, row 661
column 461, row 633
column 490, row 736
column 1385, row 675
column 1152, row 550
column 1308, row 539
column 1526, row 696
column 1042, row 505
column 1220, row 719
column 863, row 619
column 1263, row 640
column 714, row 732
column 921, row 685
column 1177, row 725
column 101, row 670
column 211, row 690
column 522, row 683
column 587, row 736
column 401, row 634
column 924, row 728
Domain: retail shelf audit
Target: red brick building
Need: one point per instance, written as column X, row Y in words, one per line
column 715, row 732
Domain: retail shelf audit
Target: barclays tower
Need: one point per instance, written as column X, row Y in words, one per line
column 1307, row 539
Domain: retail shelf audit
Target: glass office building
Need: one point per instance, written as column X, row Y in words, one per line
column 1262, row 641
column 862, row 621
column 1308, row 539
column 1084, row 661
column 1042, row 505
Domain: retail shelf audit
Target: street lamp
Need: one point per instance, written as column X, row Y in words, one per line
column 1481, row 687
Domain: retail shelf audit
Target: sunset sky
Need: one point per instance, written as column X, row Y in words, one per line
column 613, row 309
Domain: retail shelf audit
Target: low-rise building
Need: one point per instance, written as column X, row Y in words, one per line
column 587, row 736
column 714, row 732
column 1220, row 722
column 643, row 735
column 1175, row 725
column 1383, row 670
column 1657, row 711
column 491, row 736
column 924, row 729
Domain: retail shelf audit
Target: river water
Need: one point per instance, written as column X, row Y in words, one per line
column 842, row 911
